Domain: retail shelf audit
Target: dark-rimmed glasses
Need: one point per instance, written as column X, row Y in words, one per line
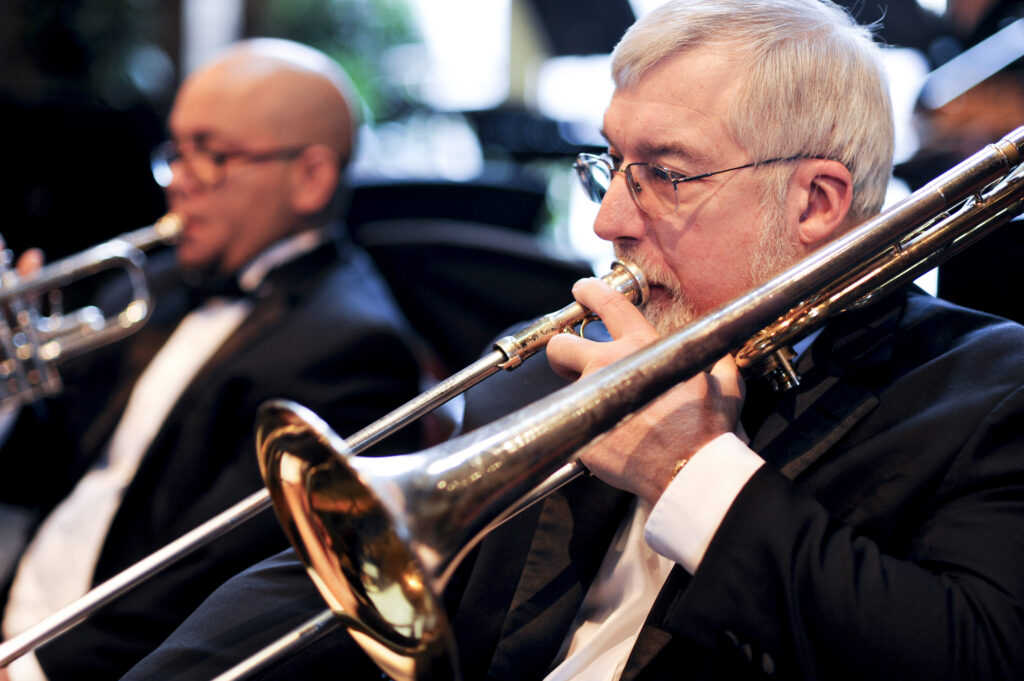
column 206, row 166
column 652, row 186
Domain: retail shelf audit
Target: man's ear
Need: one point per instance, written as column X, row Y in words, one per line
column 314, row 179
column 821, row 193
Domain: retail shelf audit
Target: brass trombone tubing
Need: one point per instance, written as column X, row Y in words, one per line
column 305, row 634
column 540, row 441
column 108, row 591
column 903, row 262
column 510, row 352
column 102, row 594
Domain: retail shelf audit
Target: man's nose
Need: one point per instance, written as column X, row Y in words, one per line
column 183, row 180
column 619, row 217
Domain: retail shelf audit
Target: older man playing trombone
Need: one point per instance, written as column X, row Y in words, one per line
column 868, row 524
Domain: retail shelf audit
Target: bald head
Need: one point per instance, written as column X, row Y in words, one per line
column 284, row 92
column 263, row 132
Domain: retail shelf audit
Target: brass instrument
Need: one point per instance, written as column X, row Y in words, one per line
column 31, row 345
column 380, row 537
column 509, row 352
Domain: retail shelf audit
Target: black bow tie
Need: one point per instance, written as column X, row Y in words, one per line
column 214, row 287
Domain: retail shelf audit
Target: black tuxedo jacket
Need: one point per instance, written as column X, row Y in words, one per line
column 323, row 331
column 884, row 540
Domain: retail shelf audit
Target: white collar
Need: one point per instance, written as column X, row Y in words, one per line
column 282, row 251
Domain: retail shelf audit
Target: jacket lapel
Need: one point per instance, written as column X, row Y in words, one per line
column 805, row 427
column 846, row 366
column 653, row 638
column 272, row 301
column 574, row 528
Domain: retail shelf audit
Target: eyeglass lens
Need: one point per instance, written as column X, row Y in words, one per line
column 160, row 164
column 199, row 163
column 651, row 187
column 594, row 174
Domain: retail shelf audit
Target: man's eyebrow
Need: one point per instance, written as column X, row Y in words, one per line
column 653, row 152
column 197, row 138
column 202, row 138
column 672, row 151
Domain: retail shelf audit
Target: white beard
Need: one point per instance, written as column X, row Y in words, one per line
column 668, row 314
column 775, row 251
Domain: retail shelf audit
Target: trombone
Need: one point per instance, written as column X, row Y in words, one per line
column 380, row 538
column 508, row 353
column 31, row 345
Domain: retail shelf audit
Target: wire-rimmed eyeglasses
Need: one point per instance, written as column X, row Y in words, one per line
column 652, row 186
column 206, row 166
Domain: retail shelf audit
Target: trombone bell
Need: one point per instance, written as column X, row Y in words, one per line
column 379, row 581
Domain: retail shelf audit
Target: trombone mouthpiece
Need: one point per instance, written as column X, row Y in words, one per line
column 624, row 277
column 166, row 230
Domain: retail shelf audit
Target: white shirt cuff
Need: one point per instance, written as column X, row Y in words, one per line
column 690, row 510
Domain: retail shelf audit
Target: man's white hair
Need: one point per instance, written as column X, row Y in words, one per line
column 814, row 80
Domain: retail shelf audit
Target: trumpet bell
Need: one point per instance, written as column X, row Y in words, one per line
column 377, row 582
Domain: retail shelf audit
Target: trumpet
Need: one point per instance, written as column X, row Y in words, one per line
column 380, row 538
column 508, row 353
column 32, row 345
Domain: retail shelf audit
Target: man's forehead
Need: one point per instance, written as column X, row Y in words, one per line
column 678, row 108
column 205, row 125
column 210, row 110
column 651, row 132
column 205, row 137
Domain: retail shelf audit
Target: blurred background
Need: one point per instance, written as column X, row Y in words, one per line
column 475, row 108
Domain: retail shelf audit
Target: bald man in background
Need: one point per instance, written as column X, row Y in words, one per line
column 263, row 297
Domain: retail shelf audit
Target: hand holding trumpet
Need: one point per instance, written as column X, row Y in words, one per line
column 30, row 261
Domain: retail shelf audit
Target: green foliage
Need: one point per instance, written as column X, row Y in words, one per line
column 357, row 33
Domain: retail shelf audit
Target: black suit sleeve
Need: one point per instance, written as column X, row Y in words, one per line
column 832, row 603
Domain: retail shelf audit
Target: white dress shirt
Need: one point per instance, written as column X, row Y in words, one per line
column 616, row 605
column 679, row 530
column 57, row 567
